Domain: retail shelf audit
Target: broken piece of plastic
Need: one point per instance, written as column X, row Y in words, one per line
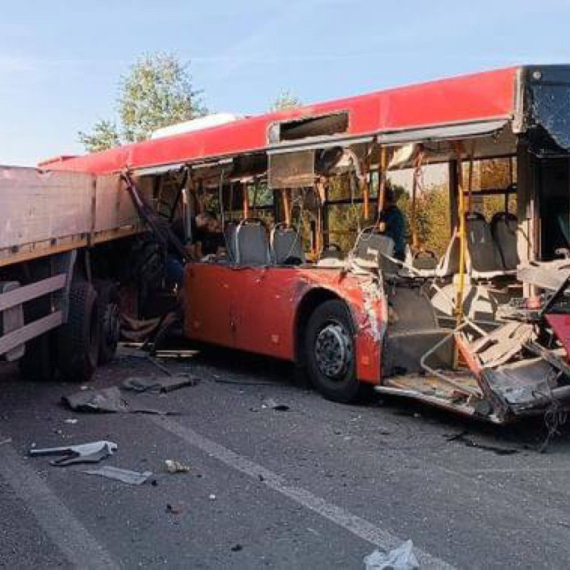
column 173, row 466
column 92, row 452
column 161, row 384
column 401, row 558
column 118, row 474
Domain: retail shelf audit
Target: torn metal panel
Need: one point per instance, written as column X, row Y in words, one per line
column 292, row 170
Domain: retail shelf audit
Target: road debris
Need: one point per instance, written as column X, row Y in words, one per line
column 159, row 385
column 173, row 509
column 108, row 400
column 92, row 452
column 7, row 440
column 463, row 438
column 71, row 421
column 175, row 466
column 401, row 558
column 212, row 497
column 236, row 548
column 274, row 405
column 123, row 475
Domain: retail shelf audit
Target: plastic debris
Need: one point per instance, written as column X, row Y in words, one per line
column 92, row 452
column 401, row 558
column 274, row 405
column 212, row 497
column 71, row 421
column 124, row 475
column 109, row 400
column 173, row 466
column 162, row 384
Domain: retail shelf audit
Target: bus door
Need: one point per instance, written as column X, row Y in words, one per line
column 209, row 314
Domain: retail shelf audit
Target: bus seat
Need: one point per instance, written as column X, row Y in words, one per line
column 483, row 256
column 252, row 244
column 230, row 237
column 449, row 263
column 286, row 246
column 370, row 250
column 504, row 230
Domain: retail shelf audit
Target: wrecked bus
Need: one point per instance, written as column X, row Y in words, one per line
column 482, row 330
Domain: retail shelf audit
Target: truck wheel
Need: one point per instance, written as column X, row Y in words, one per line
column 330, row 355
column 39, row 362
column 109, row 319
column 78, row 339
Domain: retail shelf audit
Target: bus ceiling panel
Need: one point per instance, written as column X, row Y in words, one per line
column 292, row 170
column 443, row 133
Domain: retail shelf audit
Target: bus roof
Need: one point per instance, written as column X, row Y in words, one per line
column 478, row 97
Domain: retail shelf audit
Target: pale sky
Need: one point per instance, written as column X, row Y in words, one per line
column 60, row 60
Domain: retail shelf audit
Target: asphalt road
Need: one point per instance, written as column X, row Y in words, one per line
column 319, row 485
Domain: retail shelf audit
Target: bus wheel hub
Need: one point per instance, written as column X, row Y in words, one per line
column 333, row 351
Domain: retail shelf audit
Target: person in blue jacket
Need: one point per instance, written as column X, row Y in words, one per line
column 393, row 223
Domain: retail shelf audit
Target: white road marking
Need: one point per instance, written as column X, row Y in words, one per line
column 341, row 517
column 57, row 521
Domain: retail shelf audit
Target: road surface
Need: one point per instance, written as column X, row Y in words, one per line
column 316, row 485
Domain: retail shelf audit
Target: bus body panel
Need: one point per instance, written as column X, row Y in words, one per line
column 256, row 309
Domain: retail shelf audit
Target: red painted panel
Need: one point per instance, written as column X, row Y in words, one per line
column 561, row 326
column 479, row 96
column 255, row 309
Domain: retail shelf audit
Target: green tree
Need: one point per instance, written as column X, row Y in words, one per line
column 285, row 101
column 157, row 92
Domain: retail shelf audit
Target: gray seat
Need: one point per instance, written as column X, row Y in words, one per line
column 504, row 230
column 484, row 259
column 252, row 243
column 286, row 246
column 230, row 237
column 449, row 263
column 371, row 249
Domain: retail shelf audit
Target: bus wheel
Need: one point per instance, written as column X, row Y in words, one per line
column 78, row 339
column 329, row 351
column 109, row 319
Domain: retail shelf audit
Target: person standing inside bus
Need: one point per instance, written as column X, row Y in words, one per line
column 393, row 222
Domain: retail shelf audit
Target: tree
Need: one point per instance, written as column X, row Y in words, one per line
column 157, row 92
column 284, row 101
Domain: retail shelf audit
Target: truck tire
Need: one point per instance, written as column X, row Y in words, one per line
column 330, row 354
column 109, row 319
column 78, row 339
column 39, row 362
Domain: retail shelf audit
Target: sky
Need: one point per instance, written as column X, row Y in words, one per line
column 61, row 60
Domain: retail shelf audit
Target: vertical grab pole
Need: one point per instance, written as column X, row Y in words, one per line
column 245, row 195
column 382, row 168
column 462, row 248
column 287, row 206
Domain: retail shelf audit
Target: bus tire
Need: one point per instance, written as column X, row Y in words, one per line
column 78, row 339
column 330, row 353
column 38, row 363
column 109, row 319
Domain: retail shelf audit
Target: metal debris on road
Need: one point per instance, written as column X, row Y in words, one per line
column 274, row 405
column 109, row 400
column 92, row 452
column 401, row 558
column 163, row 384
column 175, row 466
column 123, row 475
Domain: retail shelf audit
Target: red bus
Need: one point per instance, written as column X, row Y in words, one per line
column 309, row 273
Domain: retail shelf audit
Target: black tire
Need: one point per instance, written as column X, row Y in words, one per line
column 330, row 354
column 78, row 339
column 109, row 323
column 39, row 361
